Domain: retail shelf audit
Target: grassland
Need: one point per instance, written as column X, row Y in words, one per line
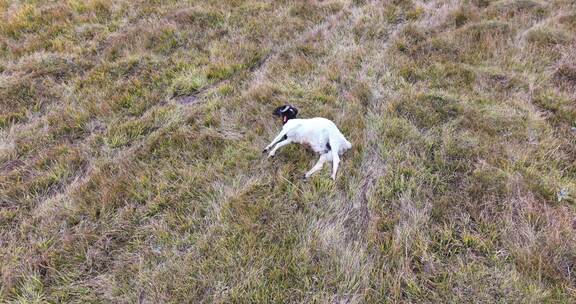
column 131, row 131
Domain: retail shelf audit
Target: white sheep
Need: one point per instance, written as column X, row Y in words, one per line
column 319, row 134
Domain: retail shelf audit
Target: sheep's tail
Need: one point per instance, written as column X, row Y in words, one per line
column 340, row 144
column 348, row 144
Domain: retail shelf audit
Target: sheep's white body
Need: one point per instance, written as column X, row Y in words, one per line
column 316, row 133
column 320, row 134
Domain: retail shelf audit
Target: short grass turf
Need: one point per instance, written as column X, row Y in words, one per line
column 131, row 171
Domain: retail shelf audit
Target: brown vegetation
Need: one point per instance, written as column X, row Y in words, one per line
column 130, row 138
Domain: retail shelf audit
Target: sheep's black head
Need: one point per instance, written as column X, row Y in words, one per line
column 286, row 112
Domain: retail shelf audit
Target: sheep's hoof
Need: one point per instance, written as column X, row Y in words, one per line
column 264, row 151
column 305, row 177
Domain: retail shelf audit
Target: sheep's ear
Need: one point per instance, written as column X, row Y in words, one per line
column 278, row 111
column 293, row 111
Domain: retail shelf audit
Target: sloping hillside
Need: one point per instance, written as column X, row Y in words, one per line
column 131, row 136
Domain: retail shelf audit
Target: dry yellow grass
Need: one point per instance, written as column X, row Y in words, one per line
column 131, row 131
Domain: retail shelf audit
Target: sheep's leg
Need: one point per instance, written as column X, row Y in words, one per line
column 335, row 160
column 317, row 166
column 278, row 146
column 279, row 138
